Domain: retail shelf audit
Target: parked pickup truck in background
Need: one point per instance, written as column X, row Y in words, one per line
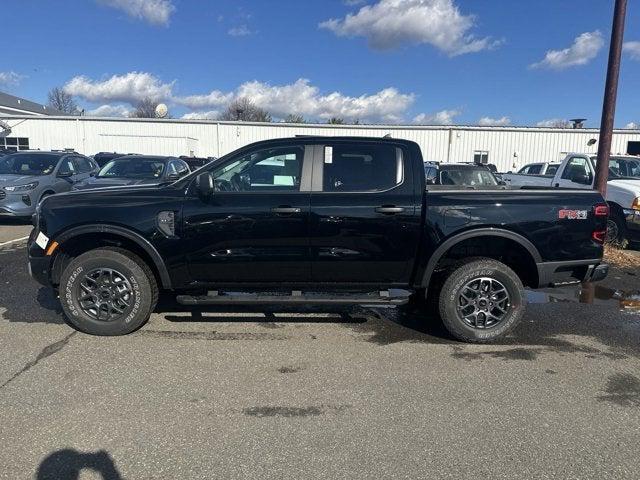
column 623, row 190
column 315, row 220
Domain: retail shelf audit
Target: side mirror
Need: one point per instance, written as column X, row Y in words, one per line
column 65, row 174
column 581, row 178
column 431, row 181
column 502, row 182
column 173, row 177
column 204, row 184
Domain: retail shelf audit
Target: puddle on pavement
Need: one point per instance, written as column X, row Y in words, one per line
column 589, row 293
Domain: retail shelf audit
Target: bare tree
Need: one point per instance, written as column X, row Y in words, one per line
column 244, row 110
column 61, row 100
column 146, row 108
column 294, row 118
column 336, row 121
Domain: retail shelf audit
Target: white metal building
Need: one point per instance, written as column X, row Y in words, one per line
column 506, row 147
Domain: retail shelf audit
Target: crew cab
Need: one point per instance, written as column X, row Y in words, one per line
column 315, row 220
column 623, row 190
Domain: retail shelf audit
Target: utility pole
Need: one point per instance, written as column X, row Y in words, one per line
column 610, row 95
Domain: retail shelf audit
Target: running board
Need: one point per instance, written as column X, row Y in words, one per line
column 383, row 297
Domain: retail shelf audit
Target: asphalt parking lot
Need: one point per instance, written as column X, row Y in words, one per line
column 360, row 394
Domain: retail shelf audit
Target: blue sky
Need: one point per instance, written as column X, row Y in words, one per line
column 424, row 61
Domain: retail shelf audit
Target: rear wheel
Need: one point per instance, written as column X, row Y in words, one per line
column 108, row 291
column 617, row 231
column 481, row 301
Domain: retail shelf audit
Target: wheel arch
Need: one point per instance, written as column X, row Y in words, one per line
column 441, row 252
column 129, row 237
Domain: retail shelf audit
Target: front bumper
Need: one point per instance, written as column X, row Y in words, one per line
column 39, row 263
column 632, row 218
column 557, row 274
column 17, row 205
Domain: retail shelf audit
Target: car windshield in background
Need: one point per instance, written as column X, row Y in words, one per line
column 472, row 177
column 137, row 168
column 624, row 167
column 26, row 164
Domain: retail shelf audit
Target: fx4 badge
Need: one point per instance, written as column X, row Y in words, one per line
column 573, row 214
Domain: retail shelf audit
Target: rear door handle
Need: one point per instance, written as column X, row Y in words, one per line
column 285, row 210
column 389, row 210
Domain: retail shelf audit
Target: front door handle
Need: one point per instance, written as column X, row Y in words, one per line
column 285, row 210
column 389, row 210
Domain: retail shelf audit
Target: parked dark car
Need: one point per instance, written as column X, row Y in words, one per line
column 136, row 170
column 315, row 220
column 29, row 176
column 461, row 174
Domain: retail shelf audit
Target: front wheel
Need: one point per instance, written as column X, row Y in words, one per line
column 481, row 301
column 108, row 291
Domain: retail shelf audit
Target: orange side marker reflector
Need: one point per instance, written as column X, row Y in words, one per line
column 52, row 248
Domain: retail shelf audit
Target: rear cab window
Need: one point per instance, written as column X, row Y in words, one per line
column 362, row 167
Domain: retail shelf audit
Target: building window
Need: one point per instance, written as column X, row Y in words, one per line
column 480, row 156
column 14, row 143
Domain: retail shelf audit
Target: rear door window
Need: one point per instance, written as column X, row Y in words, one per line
column 361, row 167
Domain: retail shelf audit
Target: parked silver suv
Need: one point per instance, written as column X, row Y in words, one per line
column 28, row 177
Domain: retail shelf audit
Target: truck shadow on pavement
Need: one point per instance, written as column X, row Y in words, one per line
column 67, row 464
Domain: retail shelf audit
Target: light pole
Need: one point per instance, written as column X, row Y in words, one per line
column 610, row 94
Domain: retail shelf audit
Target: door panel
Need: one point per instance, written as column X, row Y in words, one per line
column 364, row 236
column 255, row 227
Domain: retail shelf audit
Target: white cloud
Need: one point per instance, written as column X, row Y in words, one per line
column 299, row 97
column 633, row 126
column 215, row 99
column 444, row 117
column 390, row 24
column 632, row 49
column 240, row 31
column 109, row 111
column 10, row 79
column 554, row 123
column 584, row 49
column 130, row 88
column 494, row 122
column 388, row 105
column 211, row 115
column 155, row 12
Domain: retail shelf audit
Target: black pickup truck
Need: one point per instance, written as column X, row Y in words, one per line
column 315, row 220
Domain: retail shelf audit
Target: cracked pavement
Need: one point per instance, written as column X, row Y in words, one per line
column 224, row 393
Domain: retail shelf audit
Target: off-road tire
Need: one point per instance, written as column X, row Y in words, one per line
column 139, row 276
column 463, row 273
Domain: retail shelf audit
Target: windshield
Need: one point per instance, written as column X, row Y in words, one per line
column 137, row 168
column 624, row 167
column 467, row 176
column 26, row 164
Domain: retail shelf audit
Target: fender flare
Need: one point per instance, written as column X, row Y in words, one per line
column 129, row 235
column 481, row 232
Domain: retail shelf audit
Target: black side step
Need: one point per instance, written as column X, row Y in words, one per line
column 384, row 297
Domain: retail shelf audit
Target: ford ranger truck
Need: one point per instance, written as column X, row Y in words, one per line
column 315, row 220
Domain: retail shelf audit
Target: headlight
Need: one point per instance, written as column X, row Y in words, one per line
column 636, row 204
column 22, row 188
